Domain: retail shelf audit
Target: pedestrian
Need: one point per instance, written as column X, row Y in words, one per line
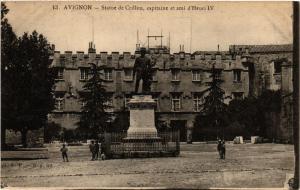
column 96, row 149
column 219, row 148
column 102, row 152
column 92, row 150
column 223, row 148
column 64, row 153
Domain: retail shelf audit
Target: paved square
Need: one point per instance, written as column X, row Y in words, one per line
column 198, row 166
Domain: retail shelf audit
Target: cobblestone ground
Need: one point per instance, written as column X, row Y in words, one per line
column 198, row 166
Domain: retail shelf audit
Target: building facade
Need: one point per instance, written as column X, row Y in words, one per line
column 179, row 80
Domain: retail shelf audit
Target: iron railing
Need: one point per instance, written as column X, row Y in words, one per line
column 164, row 144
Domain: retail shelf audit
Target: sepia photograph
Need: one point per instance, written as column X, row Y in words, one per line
column 149, row 95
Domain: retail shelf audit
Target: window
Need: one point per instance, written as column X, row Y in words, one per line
column 176, row 103
column 218, row 74
column 175, row 75
column 238, row 95
column 197, row 102
column 84, row 73
column 277, row 67
column 59, row 102
column 128, row 74
column 60, row 73
column 109, row 104
column 196, row 76
column 108, row 74
column 237, row 75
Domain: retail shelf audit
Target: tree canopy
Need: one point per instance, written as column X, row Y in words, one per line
column 95, row 118
column 26, row 78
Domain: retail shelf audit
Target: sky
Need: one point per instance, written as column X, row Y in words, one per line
column 116, row 30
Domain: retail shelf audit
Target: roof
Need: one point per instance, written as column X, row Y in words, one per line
column 263, row 48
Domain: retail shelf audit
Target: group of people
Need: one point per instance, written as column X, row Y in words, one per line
column 221, row 148
column 95, row 148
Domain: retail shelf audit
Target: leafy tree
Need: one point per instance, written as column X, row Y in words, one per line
column 53, row 131
column 8, row 49
column 34, row 82
column 252, row 112
column 94, row 118
column 26, row 80
column 213, row 109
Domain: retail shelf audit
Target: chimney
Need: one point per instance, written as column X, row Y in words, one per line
column 91, row 48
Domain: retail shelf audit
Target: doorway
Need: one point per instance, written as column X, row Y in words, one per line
column 181, row 126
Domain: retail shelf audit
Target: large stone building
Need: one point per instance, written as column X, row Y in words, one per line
column 179, row 80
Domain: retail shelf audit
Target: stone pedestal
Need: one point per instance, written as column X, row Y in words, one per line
column 142, row 121
column 142, row 135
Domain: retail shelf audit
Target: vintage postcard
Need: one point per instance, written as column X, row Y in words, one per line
column 148, row 95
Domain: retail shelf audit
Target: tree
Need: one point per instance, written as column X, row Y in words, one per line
column 213, row 108
column 27, row 80
column 8, row 50
column 53, row 131
column 35, row 80
column 255, row 114
column 94, row 118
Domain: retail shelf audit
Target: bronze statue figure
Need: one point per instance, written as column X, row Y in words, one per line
column 143, row 70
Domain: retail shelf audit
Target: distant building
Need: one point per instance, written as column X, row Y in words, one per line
column 271, row 67
column 179, row 80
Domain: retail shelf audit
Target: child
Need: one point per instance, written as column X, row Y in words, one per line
column 64, row 151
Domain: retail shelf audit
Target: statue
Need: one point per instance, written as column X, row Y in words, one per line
column 143, row 70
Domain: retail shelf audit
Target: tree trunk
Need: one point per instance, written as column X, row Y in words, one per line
column 3, row 136
column 24, row 138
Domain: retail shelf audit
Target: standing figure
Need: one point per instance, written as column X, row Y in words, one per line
column 102, row 151
column 143, row 70
column 223, row 149
column 64, row 153
column 219, row 148
column 96, row 149
column 92, row 150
